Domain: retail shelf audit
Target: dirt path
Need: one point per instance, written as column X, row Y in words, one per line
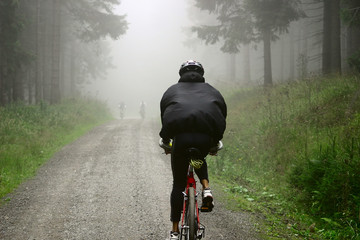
column 112, row 183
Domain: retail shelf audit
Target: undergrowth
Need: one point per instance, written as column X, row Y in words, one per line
column 293, row 152
column 31, row 134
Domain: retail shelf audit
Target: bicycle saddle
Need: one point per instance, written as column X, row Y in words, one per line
column 193, row 153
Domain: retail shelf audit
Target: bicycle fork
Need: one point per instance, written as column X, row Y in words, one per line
column 200, row 233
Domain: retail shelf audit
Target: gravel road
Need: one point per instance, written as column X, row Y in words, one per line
column 112, row 183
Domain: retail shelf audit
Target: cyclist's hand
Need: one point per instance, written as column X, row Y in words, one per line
column 165, row 146
column 167, row 151
column 214, row 150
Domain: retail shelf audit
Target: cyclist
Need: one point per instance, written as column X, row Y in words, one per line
column 193, row 114
column 142, row 109
column 122, row 108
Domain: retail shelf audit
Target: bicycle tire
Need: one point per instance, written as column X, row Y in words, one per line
column 191, row 214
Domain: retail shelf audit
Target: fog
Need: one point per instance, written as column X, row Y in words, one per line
column 147, row 58
column 62, row 48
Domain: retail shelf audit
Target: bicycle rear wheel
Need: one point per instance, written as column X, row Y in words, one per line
column 191, row 215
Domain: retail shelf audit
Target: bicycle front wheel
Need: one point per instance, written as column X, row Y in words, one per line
column 191, row 215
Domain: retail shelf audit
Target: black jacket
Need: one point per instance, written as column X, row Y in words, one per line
column 191, row 105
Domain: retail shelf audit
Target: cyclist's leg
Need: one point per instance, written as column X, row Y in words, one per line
column 179, row 167
column 203, row 175
column 207, row 197
column 204, row 143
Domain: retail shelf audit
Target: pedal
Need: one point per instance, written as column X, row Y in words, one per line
column 205, row 209
column 201, row 232
column 185, row 196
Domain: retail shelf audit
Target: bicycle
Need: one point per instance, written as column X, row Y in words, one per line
column 190, row 227
column 122, row 113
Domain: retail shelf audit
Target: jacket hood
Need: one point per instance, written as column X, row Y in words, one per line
column 191, row 76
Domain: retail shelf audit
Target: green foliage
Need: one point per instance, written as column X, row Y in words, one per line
column 242, row 22
column 11, row 25
column 329, row 178
column 350, row 13
column 273, row 14
column 354, row 61
column 29, row 135
column 97, row 19
column 299, row 141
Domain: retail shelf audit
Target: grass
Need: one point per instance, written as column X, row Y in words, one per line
column 30, row 135
column 292, row 154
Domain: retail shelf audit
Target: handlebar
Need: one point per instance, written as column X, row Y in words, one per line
column 168, row 147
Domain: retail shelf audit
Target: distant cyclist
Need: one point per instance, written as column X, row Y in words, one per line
column 142, row 109
column 193, row 114
column 122, row 108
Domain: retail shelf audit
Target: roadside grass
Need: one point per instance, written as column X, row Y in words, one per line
column 30, row 135
column 292, row 155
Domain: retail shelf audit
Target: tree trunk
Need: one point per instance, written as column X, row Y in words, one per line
column 2, row 59
column 232, row 67
column 326, row 49
column 2, row 87
column 335, row 37
column 72, row 72
column 38, row 95
column 17, row 87
column 305, row 53
column 46, row 50
column 331, row 55
column 292, row 56
column 267, row 58
column 30, row 86
column 353, row 42
column 282, row 57
column 55, row 76
column 247, row 69
column 8, row 38
column 352, row 39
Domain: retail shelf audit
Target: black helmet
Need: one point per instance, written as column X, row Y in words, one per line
column 191, row 65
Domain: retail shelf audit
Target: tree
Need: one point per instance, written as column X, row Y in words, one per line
column 242, row 22
column 350, row 14
column 95, row 19
column 38, row 95
column 12, row 56
column 92, row 21
column 56, row 33
column 36, row 37
column 331, row 37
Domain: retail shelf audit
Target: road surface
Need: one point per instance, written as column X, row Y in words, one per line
column 112, row 183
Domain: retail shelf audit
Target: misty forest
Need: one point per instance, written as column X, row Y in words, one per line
column 288, row 69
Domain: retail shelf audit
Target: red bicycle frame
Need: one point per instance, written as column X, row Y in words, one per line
column 190, row 198
column 191, row 186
